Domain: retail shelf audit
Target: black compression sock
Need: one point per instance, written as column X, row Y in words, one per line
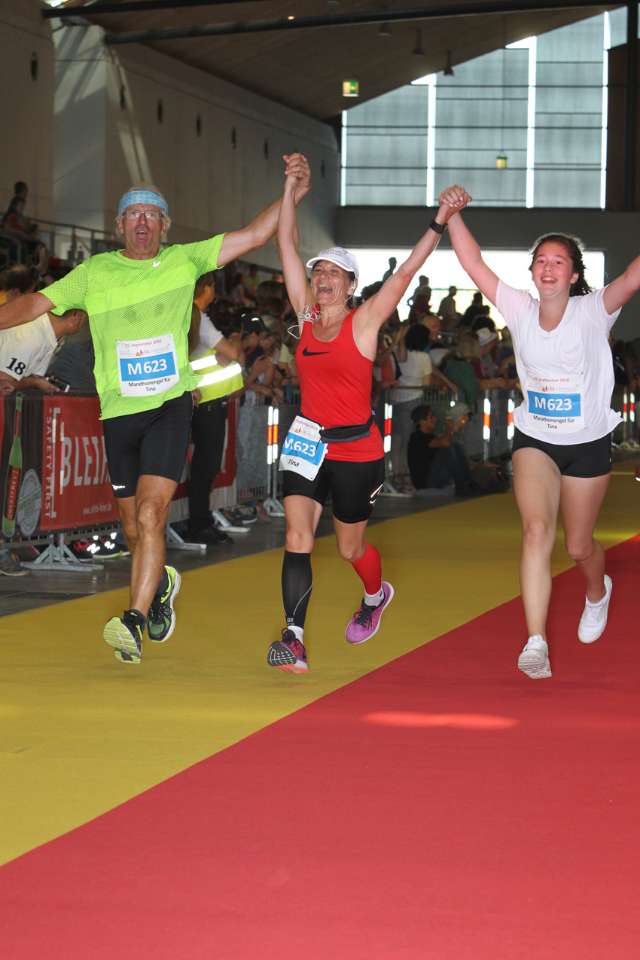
column 297, row 581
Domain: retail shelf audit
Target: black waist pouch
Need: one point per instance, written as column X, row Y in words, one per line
column 357, row 431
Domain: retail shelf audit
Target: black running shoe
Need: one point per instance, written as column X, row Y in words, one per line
column 161, row 620
column 288, row 654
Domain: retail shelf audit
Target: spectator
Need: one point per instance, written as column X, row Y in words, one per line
column 209, row 423
column 73, row 362
column 17, row 280
column 393, row 263
column 458, row 367
column 485, row 365
column 251, row 281
column 15, row 221
column 423, row 290
column 472, row 310
column 25, row 351
column 437, row 461
column 415, row 374
column 448, row 310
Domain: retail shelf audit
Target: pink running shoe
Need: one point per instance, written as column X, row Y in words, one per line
column 288, row 654
column 365, row 622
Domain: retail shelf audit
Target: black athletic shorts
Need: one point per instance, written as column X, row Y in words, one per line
column 353, row 487
column 153, row 442
column 591, row 459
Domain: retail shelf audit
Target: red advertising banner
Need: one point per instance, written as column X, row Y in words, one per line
column 76, row 491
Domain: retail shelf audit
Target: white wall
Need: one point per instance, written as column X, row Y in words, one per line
column 210, row 185
column 27, row 105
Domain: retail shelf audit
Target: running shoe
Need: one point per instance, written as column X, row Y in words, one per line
column 534, row 659
column 161, row 620
column 124, row 634
column 594, row 616
column 365, row 622
column 10, row 566
column 288, row 654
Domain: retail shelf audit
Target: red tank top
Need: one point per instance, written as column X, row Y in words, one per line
column 335, row 384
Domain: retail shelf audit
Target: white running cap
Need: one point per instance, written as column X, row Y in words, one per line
column 339, row 256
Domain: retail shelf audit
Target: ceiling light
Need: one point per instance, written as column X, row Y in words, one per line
column 418, row 50
column 385, row 30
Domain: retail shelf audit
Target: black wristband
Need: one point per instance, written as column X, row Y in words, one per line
column 438, row 227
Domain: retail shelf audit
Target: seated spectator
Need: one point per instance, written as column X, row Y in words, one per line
column 438, row 461
column 485, row 364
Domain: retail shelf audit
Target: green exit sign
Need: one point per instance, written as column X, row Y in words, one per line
column 350, row 88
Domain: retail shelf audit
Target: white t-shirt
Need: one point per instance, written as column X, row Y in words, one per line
column 413, row 372
column 26, row 350
column 566, row 374
column 210, row 337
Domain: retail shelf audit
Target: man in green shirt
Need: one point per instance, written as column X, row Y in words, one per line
column 139, row 302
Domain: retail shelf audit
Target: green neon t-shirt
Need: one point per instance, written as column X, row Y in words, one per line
column 139, row 315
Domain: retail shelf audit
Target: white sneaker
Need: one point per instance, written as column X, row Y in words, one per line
column 534, row 659
column 594, row 616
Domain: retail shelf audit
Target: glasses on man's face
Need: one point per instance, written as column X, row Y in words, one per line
column 132, row 213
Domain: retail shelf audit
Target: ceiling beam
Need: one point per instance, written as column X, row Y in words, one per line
column 132, row 6
column 433, row 11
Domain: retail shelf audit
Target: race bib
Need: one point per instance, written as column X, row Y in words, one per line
column 556, row 404
column 303, row 451
column 147, row 367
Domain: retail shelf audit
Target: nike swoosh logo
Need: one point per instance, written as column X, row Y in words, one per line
column 314, row 353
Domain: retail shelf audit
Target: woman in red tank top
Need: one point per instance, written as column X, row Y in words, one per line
column 334, row 447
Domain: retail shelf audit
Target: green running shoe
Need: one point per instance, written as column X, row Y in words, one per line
column 161, row 620
column 124, row 634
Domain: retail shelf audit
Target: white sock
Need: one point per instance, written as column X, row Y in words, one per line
column 299, row 631
column 374, row 599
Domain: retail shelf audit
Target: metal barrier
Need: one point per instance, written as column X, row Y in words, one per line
column 54, row 483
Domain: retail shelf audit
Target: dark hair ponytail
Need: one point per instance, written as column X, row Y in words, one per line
column 574, row 248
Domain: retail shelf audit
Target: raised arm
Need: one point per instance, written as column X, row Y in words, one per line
column 620, row 290
column 466, row 246
column 378, row 308
column 23, row 310
column 295, row 276
column 237, row 243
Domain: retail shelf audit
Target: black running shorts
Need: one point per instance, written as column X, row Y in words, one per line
column 352, row 486
column 153, row 442
column 591, row 459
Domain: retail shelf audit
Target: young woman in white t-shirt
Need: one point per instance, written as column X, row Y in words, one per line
column 562, row 443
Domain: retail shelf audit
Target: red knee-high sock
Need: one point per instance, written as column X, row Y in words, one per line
column 369, row 569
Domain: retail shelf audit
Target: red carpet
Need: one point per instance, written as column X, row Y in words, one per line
column 442, row 807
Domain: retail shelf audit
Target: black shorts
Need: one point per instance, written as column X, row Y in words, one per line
column 353, row 487
column 591, row 459
column 153, row 442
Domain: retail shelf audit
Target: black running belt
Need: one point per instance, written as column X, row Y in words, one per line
column 356, row 431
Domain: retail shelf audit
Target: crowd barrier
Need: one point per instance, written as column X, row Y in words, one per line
column 54, row 481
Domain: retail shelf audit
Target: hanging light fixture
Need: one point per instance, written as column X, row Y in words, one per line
column 502, row 161
column 448, row 68
column 418, row 50
column 384, row 30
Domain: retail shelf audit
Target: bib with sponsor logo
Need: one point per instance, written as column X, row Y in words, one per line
column 147, row 367
column 556, row 404
column 303, row 451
